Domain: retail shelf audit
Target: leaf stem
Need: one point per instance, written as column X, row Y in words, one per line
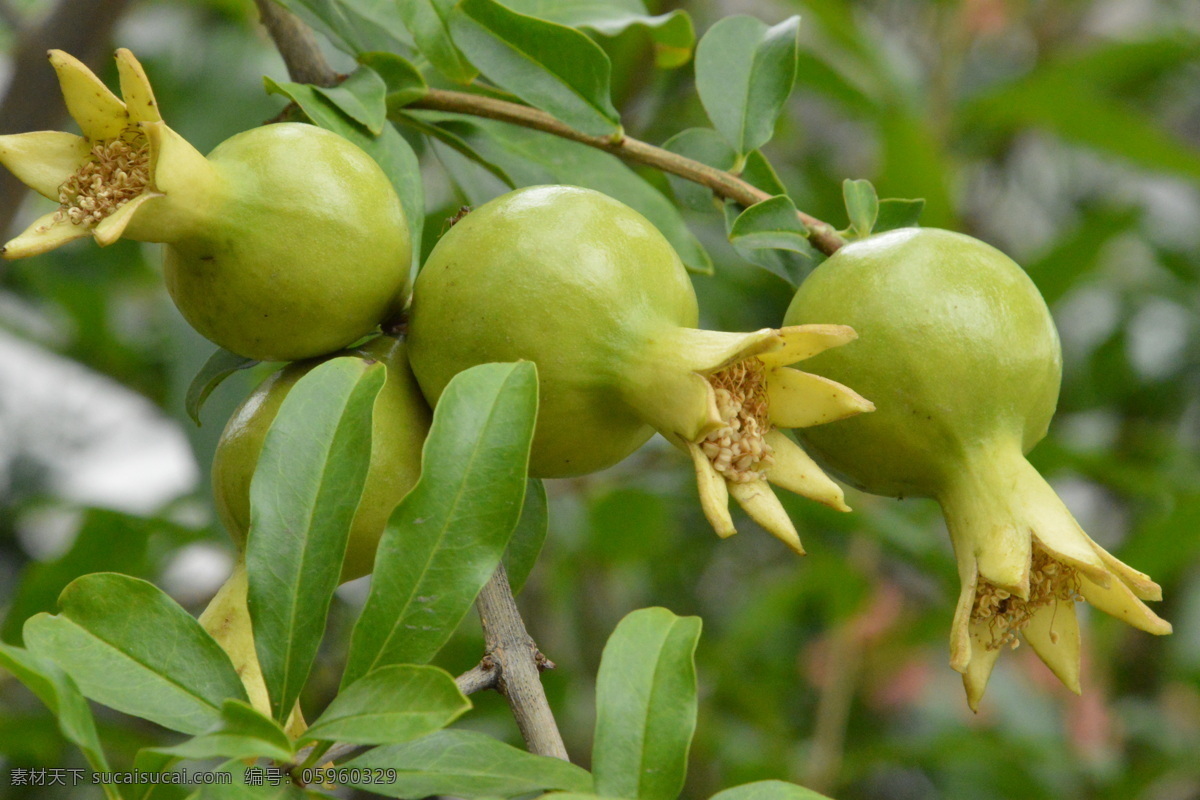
column 305, row 63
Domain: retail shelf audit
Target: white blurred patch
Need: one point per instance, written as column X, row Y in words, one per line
column 1157, row 337
column 195, row 572
column 355, row 592
column 46, row 533
column 86, row 439
column 1100, row 515
column 1086, row 317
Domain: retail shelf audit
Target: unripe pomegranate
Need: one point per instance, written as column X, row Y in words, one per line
column 591, row 291
column 399, row 425
column 960, row 355
column 287, row 242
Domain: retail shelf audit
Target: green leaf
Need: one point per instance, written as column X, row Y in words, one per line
column 242, row 732
column 389, row 149
column 356, row 27
column 219, row 366
column 896, row 213
column 787, row 264
column 390, row 705
column 526, row 543
column 708, row 147
column 362, row 97
column 445, row 539
column 403, row 81
column 768, row 790
column 243, row 787
column 550, row 66
column 469, row 765
column 773, row 223
column 429, row 21
column 303, row 496
column 58, row 693
column 131, row 647
column 532, row 157
column 744, row 74
column 455, row 142
column 1079, row 251
column 672, row 33
column 759, row 172
column 862, row 205
column 646, row 706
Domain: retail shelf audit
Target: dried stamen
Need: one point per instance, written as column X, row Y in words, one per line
column 1006, row 615
column 738, row 450
column 117, row 171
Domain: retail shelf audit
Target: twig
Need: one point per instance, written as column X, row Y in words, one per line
column 303, row 57
column 482, row 676
column 297, row 44
column 518, row 665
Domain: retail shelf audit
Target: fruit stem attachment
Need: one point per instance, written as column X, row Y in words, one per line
column 305, row 63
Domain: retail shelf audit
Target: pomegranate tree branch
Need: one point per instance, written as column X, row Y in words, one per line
column 303, row 57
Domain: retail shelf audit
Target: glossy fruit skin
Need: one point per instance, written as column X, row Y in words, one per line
column 568, row 278
column 400, row 423
column 302, row 249
column 956, row 348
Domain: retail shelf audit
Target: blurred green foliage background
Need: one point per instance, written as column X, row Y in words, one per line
column 1065, row 132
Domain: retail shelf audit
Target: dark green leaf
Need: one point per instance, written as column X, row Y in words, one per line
column 390, row 151
column 356, row 27
column 768, row 790
column 897, row 213
column 672, row 33
column 550, row 66
column 528, row 537
column 445, row 539
column 131, row 647
column 303, row 496
column 59, row 694
column 759, row 172
column 789, row 265
column 532, row 157
column 241, row 733
column 469, row 765
column 744, row 74
column 390, row 705
column 1078, row 252
column 646, row 706
column 862, row 205
column 773, row 224
column 429, row 21
column 708, row 147
column 220, row 365
column 455, row 142
column 362, row 97
column 404, row 81
column 245, row 787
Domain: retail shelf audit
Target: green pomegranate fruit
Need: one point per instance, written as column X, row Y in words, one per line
column 399, row 425
column 961, row 358
column 286, row 242
column 591, row 291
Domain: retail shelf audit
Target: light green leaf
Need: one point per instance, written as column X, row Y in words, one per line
column 445, row 539
column 469, row 765
column 532, row 157
column 403, row 81
column 242, row 732
column 744, row 74
column 390, row 705
column 759, row 172
column 550, row 66
column 786, row 263
column 390, row 151
column 646, row 706
column 59, row 693
column 768, row 790
column 303, row 496
column 362, row 97
column 708, row 147
column 452, row 140
column 131, row 647
column 896, row 213
column 219, row 366
column 862, row 205
column 528, row 537
column 356, row 27
column 773, row 223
